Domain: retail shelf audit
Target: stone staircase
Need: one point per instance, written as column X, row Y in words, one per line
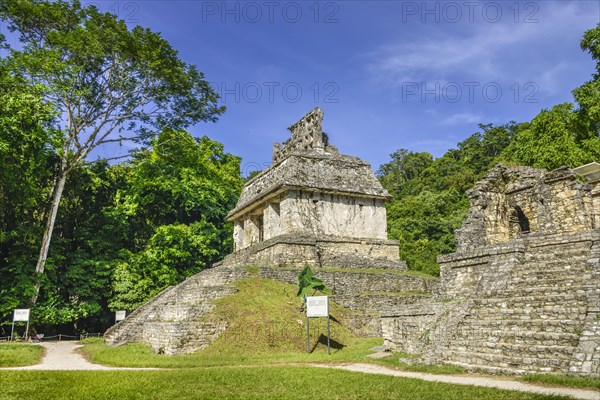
column 173, row 321
column 534, row 321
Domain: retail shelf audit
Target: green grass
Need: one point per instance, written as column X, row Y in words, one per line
column 563, row 380
column 20, row 354
column 265, row 326
column 281, row 382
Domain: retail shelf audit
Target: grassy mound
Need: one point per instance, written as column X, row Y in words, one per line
column 265, row 317
column 265, row 325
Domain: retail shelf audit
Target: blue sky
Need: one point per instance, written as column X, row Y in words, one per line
column 388, row 74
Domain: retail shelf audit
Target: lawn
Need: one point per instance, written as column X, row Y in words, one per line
column 141, row 355
column 265, row 326
column 235, row 365
column 563, row 380
column 20, row 354
column 281, row 382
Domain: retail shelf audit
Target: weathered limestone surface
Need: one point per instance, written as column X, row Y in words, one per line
column 173, row 321
column 311, row 190
column 312, row 207
column 320, row 251
column 522, row 292
column 366, row 293
column 510, row 201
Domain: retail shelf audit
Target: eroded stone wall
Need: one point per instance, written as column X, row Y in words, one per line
column 320, row 251
column 317, row 214
column 511, row 201
column 367, row 293
column 173, row 322
column 515, row 300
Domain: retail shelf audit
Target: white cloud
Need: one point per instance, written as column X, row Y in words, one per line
column 462, row 118
column 484, row 51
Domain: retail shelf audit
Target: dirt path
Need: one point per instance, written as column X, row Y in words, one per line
column 507, row 384
column 62, row 356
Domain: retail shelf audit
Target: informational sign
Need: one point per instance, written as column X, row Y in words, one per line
column 21, row 315
column 317, row 306
column 120, row 315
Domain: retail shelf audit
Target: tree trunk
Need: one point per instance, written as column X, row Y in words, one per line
column 56, row 196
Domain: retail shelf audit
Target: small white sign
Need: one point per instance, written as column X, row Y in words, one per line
column 317, row 306
column 21, row 315
column 120, row 315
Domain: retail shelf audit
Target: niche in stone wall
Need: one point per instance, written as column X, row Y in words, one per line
column 518, row 222
column 261, row 228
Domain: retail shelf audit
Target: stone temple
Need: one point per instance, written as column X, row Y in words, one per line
column 312, row 206
column 520, row 294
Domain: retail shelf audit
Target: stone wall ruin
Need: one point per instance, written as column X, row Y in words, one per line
column 522, row 292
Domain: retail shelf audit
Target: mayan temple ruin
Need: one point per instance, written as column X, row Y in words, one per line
column 522, row 291
column 520, row 294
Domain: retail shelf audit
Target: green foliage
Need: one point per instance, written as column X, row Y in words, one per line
column 554, row 138
column 103, row 83
column 115, row 247
column 308, row 283
column 26, row 166
column 172, row 253
column 102, row 75
column 565, row 134
column 178, row 194
column 430, row 199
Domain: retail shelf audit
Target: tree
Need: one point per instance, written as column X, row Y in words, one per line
column 404, row 166
column 107, row 83
column 588, row 95
column 174, row 204
column 26, row 165
column 309, row 283
column 429, row 195
column 565, row 134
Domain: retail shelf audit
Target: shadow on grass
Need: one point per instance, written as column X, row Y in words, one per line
column 335, row 345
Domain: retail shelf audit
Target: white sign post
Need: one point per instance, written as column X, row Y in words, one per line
column 120, row 315
column 317, row 306
column 20, row 315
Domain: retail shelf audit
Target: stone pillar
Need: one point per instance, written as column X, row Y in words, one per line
column 238, row 235
column 272, row 220
column 250, row 231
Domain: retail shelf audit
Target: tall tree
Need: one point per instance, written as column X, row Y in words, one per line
column 429, row 195
column 26, row 165
column 175, row 201
column 108, row 83
column 567, row 134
